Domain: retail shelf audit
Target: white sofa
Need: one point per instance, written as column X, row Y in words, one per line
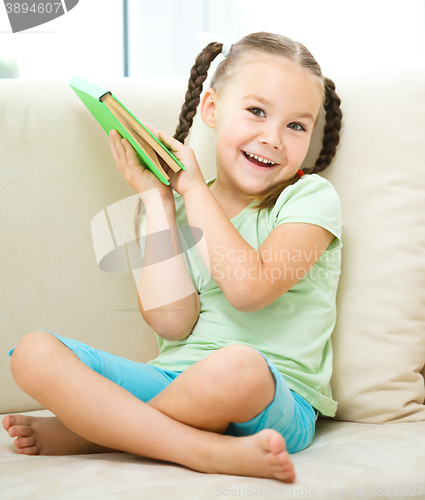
column 57, row 173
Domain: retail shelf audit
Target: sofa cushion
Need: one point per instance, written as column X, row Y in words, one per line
column 345, row 460
column 379, row 339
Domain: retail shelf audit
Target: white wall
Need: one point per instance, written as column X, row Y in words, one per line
column 343, row 35
column 346, row 35
column 87, row 41
column 164, row 34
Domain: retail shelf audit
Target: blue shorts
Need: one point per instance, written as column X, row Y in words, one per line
column 288, row 413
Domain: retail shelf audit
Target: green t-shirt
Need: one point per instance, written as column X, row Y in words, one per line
column 294, row 331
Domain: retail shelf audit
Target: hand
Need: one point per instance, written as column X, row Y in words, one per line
column 183, row 180
column 139, row 178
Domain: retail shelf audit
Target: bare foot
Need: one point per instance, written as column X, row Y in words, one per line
column 47, row 436
column 260, row 455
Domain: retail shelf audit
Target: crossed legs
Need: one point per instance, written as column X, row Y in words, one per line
column 183, row 424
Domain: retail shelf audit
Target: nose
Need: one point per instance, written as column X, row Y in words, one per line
column 271, row 137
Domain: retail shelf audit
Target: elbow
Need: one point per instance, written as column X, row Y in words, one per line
column 175, row 336
column 168, row 330
column 174, row 321
column 246, row 300
column 246, row 306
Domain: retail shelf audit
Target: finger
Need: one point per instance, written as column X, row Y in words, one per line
column 114, row 135
column 168, row 141
column 121, row 156
column 115, row 154
column 151, row 129
column 132, row 159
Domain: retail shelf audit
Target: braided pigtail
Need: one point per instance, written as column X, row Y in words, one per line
column 332, row 128
column 198, row 75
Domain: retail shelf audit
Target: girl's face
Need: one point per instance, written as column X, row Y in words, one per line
column 264, row 119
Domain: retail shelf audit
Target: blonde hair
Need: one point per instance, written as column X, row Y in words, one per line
column 276, row 46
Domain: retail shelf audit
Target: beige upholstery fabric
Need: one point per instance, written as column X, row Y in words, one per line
column 345, row 460
column 56, row 174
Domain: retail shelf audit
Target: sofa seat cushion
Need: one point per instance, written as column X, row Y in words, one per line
column 357, row 459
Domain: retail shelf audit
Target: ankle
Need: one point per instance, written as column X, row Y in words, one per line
column 220, row 453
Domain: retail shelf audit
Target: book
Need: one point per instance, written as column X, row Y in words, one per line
column 110, row 113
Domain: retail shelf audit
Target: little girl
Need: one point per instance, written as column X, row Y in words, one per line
column 245, row 357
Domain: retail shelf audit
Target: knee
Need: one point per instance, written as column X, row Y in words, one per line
column 240, row 370
column 30, row 351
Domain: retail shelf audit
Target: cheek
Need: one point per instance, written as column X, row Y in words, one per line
column 299, row 148
column 230, row 139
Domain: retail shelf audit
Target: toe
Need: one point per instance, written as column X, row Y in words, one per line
column 30, row 450
column 22, row 419
column 276, row 443
column 8, row 421
column 20, row 431
column 24, row 442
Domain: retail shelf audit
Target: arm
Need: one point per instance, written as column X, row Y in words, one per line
column 258, row 278
column 168, row 280
column 261, row 276
column 175, row 318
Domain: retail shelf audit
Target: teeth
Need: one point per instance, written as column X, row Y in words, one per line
column 263, row 160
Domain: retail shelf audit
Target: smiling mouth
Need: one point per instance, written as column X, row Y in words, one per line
column 258, row 160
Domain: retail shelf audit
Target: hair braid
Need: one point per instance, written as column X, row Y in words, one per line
column 332, row 127
column 259, row 44
column 198, row 75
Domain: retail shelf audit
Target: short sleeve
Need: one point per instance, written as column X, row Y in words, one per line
column 311, row 200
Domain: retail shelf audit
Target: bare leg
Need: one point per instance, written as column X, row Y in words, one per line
column 231, row 385
column 105, row 414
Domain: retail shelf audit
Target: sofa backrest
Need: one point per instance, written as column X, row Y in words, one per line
column 57, row 173
column 378, row 171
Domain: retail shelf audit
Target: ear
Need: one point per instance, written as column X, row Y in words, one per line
column 209, row 108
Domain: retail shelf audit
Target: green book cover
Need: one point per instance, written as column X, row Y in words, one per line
column 90, row 95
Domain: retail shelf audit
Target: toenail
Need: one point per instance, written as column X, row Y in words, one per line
column 18, row 442
column 12, row 431
column 12, row 421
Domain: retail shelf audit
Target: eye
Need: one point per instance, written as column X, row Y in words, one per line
column 257, row 112
column 296, row 126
